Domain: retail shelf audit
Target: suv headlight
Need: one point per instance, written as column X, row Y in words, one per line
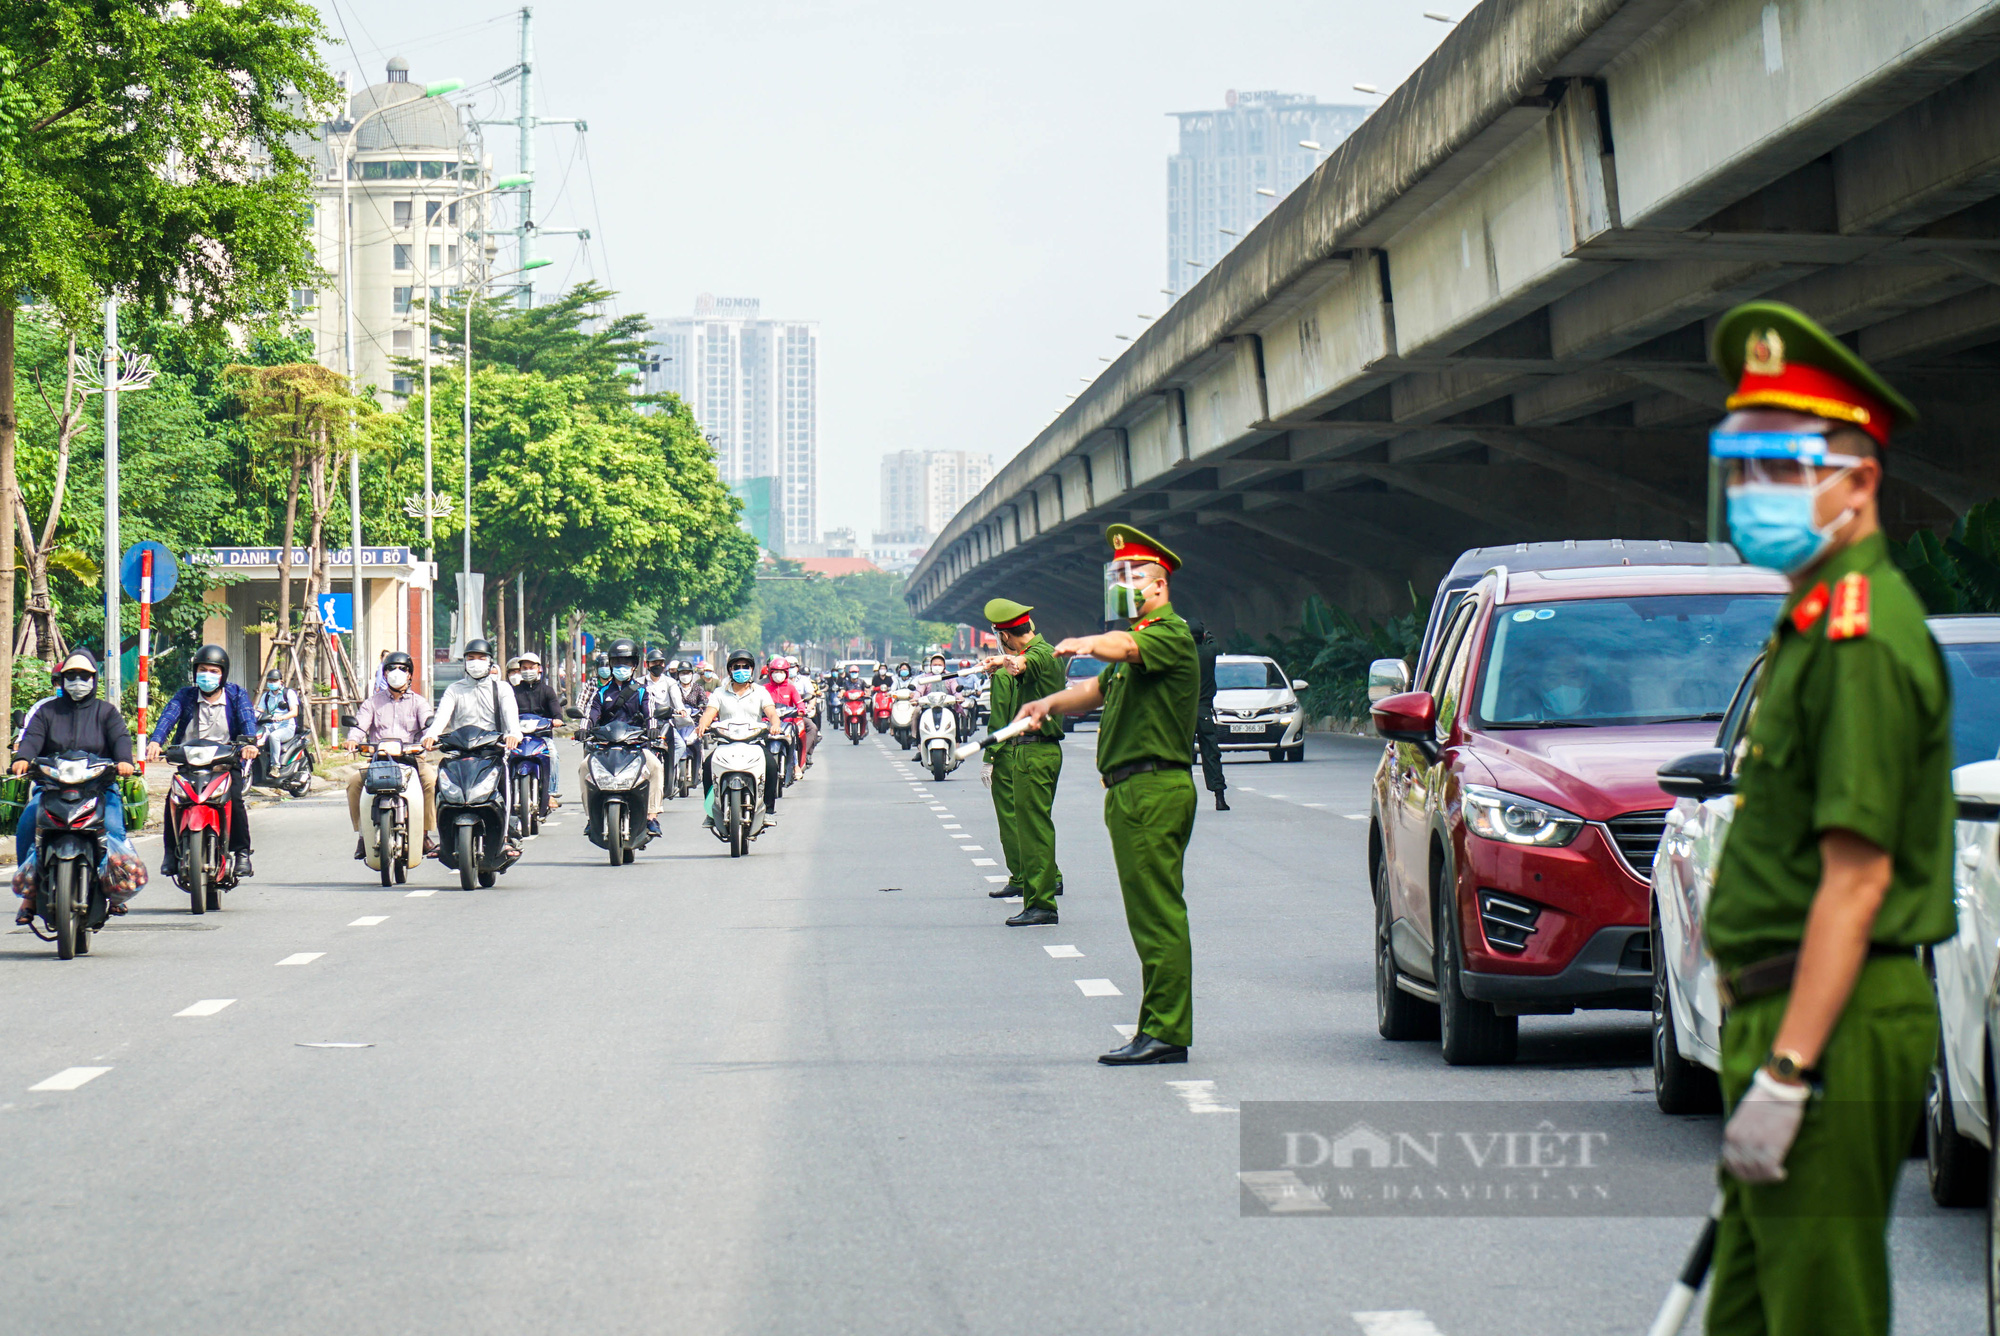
column 1495, row 814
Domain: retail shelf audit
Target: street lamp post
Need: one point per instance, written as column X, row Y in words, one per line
column 469, row 608
column 360, row 634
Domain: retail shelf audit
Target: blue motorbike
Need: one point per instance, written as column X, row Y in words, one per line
column 530, row 768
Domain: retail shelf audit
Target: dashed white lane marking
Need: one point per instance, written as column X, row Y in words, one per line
column 1355, row 816
column 369, row 920
column 951, row 827
column 302, row 957
column 1064, row 952
column 1200, row 1096
column 1098, row 988
column 69, row 1078
column 207, row 1006
column 1126, row 1031
column 961, row 837
column 937, row 809
column 999, row 878
column 413, row 895
column 969, row 848
column 1397, row 1322
column 986, row 862
column 1246, row 788
column 1314, row 806
column 1283, row 1191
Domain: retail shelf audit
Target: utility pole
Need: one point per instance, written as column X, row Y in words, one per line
column 114, row 630
column 525, row 125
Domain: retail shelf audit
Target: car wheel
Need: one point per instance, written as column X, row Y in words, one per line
column 1954, row 1163
column 1277, row 754
column 1679, row 1086
column 1297, row 753
column 1398, row 1015
column 1992, row 1221
column 1473, row 1033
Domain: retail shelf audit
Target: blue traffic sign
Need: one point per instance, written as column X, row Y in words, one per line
column 166, row 570
column 337, row 611
column 589, row 642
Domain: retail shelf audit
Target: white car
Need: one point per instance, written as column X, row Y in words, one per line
column 1257, row 707
column 1687, row 1011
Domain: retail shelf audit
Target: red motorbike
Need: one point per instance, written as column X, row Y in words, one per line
column 881, row 709
column 198, row 821
column 854, row 714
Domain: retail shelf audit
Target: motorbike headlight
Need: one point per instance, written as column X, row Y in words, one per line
column 1495, row 814
column 484, row 788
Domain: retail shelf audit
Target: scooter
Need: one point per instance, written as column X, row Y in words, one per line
column 472, row 806
column 198, row 820
column 854, row 714
column 883, row 703
column 70, row 845
column 937, row 734
column 615, row 792
column 283, row 764
column 903, row 717
column 527, row 772
column 738, row 767
column 395, row 789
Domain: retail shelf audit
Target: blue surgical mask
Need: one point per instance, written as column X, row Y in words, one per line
column 622, row 671
column 1772, row 523
column 740, row 675
column 207, row 682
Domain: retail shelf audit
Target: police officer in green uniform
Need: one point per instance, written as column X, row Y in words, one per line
column 1025, row 768
column 1145, row 746
column 1837, row 865
column 1204, row 720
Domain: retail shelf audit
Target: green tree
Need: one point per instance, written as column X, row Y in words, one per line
column 886, row 618
column 1959, row 572
column 143, row 151
column 570, row 336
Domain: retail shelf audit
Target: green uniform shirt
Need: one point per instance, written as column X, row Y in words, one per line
column 1849, row 731
column 1149, row 706
column 1043, row 676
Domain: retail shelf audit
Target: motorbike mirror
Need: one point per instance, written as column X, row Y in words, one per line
column 347, row 721
column 571, row 712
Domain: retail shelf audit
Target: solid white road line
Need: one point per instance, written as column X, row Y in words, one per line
column 1064, row 952
column 1098, row 988
column 69, row 1078
column 1200, row 1096
column 414, row 895
column 986, row 862
column 1397, row 1322
column 207, row 1007
column 369, row 920
column 302, row 957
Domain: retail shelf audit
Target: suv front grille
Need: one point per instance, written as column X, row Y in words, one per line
column 1637, row 835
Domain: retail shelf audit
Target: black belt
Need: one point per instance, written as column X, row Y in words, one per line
column 1029, row 739
column 1113, row 778
column 1764, row 977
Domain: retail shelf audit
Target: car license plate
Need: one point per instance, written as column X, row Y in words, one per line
column 1246, row 728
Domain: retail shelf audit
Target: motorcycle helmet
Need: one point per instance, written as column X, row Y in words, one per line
column 742, row 666
column 624, row 659
column 397, row 670
column 210, row 667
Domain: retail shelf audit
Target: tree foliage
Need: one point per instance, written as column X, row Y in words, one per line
column 1961, row 571
column 566, row 337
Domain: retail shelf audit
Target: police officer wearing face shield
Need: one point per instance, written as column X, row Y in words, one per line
column 1837, row 866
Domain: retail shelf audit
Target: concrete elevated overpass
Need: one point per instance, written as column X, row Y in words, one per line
column 1485, row 318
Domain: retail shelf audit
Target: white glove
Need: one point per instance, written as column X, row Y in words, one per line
column 986, row 774
column 1760, row 1133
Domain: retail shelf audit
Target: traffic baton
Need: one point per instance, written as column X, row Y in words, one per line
column 1680, row 1299
column 968, row 750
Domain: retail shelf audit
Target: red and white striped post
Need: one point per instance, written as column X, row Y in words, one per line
column 145, row 635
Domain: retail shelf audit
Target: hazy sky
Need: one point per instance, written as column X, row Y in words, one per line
column 970, row 200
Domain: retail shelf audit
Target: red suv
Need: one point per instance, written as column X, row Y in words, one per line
column 1516, row 811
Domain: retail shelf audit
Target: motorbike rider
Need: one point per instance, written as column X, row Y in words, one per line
column 287, row 713
column 631, row 701
column 669, row 705
column 743, row 700
column 75, row 721
column 534, row 694
column 693, row 694
column 947, row 682
column 480, row 700
column 601, row 671
column 785, row 693
column 395, row 713
column 213, row 709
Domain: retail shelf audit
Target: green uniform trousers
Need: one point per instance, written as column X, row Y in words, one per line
column 1024, row 799
column 1810, row 1256
column 1150, row 817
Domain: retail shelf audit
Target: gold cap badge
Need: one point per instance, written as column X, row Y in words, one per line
column 1764, row 354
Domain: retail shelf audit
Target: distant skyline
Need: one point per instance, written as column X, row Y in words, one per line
column 969, row 203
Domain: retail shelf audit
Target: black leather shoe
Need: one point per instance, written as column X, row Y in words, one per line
column 1032, row 918
column 1143, row 1049
column 243, row 869
column 1221, row 803
column 360, row 849
column 1003, row 892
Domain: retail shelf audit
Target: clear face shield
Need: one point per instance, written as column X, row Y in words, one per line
column 1125, row 584
column 1767, row 470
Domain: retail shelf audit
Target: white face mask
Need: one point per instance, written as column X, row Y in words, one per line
column 396, row 678
column 79, row 688
column 513, row 679
column 476, row 669
column 531, row 675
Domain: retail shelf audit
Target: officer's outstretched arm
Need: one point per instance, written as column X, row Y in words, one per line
column 1082, row 698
